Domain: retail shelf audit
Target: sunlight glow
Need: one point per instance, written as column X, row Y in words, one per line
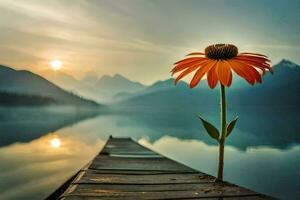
column 56, row 64
column 55, row 143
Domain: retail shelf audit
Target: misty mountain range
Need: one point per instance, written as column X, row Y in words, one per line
column 19, row 86
column 101, row 89
column 282, row 89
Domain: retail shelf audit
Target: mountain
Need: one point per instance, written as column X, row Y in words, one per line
column 280, row 89
column 69, row 83
column 287, row 73
column 115, row 84
column 24, row 83
column 15, row 99
column 90, row 79
column 156, row 87
column 61, row 78
column 99, row 89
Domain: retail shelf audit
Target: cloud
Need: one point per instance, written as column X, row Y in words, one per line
column 32, row 9
column 273, row 46
column 140, row 39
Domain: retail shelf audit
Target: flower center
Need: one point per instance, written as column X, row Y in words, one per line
column 221, row 51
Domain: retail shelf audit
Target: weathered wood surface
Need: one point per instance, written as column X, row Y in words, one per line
column 126, row 170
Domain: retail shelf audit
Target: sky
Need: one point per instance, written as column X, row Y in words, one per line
column 140, row 39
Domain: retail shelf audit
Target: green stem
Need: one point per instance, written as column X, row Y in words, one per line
column 223, row 133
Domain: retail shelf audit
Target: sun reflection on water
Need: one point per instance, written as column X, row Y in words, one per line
column 43, row 164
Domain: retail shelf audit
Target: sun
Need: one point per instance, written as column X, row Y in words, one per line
column 56, row 64
column 55, row 142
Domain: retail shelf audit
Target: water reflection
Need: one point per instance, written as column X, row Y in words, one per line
column 25, row 124
column 264, row 169
column 55, row 144
column 257, row 126
column 32, row 170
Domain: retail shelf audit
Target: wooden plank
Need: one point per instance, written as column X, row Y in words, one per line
column 125, row 147
column 129, row 152
column 258, row 197
column 123, row 163
column 143, row 179
column 138, row 172
column 108, row 194
column 125, row 170
column 203, row 187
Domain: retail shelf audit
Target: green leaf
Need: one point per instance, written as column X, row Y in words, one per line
column 230, row 126
column 211, row 130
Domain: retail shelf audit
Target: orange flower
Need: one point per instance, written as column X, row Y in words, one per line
column 218, row 62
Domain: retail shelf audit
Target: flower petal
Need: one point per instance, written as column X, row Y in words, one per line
column 255, row 64
column 263, row 69
column 189, row 70
column 212, row 78
column 252, row 58
column 254, row 72
column 224, row 73
column 181, row 67
column 187, row 60
column 246, row 74
column 256, row 54
column 229, row 78
column 201, row 72
column 255, row 58
column 195, row 53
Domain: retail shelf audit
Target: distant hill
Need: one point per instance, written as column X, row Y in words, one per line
column 90, row 79
column 101, row 89
column 158, row 86
column 22, row 83
column 14, row 99
column 280, row 89
column 69, row 83
column 115, row 84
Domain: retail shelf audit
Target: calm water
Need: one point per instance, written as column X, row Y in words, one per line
column 41, row 148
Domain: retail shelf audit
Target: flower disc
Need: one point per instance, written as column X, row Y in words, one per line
column 221, row 51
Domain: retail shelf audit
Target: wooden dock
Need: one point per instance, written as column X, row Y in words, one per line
column 125, row 169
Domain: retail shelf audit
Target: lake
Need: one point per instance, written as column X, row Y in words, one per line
column 41, row 148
